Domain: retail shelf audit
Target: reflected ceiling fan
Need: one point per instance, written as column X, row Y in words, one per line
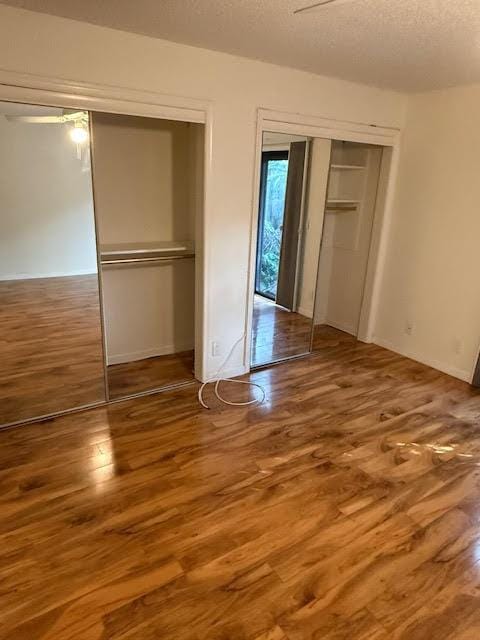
column 78, row 131
column 79, row 120
column 323, row 4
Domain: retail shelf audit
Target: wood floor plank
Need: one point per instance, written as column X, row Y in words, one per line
column 345, row 507
column 51, row 346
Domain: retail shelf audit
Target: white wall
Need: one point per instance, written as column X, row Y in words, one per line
column 50, row 46
column 141, row 178
column 432, row 278
column 145, row 191
column 46, row 223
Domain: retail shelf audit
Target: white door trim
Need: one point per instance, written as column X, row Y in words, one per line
column 33, row 89
column 317, row 127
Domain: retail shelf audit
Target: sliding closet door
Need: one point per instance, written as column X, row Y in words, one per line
column 290, row 217
column 50, row 324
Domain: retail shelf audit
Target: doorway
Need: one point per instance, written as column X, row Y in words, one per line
column 273, row 187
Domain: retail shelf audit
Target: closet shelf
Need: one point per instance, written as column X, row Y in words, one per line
column 341, row 201
column 342, row 205
column 347, row 167
column 134, row 252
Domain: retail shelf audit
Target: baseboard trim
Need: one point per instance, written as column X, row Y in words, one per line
column 52, row 274
column 461, row 374
column 341, row 327
column 164, row 350
column 233, row 372
column 303, row 311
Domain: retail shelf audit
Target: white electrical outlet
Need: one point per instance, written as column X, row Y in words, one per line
column 457, row 346
column 216, row 351
column 408, row 327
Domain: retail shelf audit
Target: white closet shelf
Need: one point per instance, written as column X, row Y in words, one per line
column 341, row 201
column 347, row 167
column 130, row 252
column 342, row 205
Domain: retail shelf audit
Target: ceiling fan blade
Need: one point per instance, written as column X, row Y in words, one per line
column 35, row 119
column 66, row 117
column 319, row 5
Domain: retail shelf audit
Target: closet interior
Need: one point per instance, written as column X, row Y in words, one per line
column 350, row 210
column 99, row 242
column 148, row 198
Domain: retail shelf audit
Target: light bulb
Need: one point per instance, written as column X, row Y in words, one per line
column 79, row 135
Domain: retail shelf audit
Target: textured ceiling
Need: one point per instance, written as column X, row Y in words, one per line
column 409, row 45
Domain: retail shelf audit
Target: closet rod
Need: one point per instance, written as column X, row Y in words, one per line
column 155, row 259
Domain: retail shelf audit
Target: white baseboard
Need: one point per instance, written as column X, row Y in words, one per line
column 461, row 374
column 164, row 350
column 352, row 330
column 303, row 311
column 233, row 372
column 50, row 274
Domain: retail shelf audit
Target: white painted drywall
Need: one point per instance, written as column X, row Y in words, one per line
column 145, row 190
column 237, row 87
column 431, row 281
column 46, row 222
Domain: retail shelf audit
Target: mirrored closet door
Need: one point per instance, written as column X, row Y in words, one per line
column 319, row 199
column 148, row 196
column 293, row 183
column 50, row 321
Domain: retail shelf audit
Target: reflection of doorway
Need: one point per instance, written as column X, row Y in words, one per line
column 279, row 329
column 273, row 186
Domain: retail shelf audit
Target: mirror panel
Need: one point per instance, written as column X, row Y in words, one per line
column 293, row 183
column 50, row 321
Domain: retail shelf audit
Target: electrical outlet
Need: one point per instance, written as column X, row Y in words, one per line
column 408, row 327
column 457, row 346
column 216, row 351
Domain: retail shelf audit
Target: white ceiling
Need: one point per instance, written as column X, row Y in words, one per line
column 408, row 45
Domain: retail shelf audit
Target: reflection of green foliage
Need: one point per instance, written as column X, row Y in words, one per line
column 272, row 239
column 272, row 225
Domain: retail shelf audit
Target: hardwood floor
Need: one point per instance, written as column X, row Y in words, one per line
column 51, row 346
column 346, row 507
column 277, row 333
column 151, row 373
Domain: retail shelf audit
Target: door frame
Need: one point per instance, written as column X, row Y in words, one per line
column 316, row 127
column 274, row 155
column 49, row 91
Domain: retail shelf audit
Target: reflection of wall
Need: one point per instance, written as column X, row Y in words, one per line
column 46, row 225
column 147, row 189
column 273, row 141
column 317, row 178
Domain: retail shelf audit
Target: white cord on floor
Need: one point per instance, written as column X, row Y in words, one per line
column 217, row 379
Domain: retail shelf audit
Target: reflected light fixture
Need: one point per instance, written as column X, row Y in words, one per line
column 78, row 134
